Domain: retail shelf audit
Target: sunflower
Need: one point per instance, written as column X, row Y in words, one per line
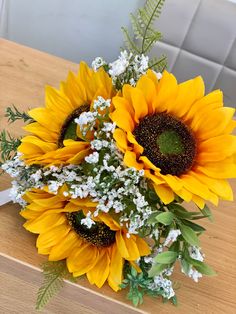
column 179, row 137
column 98, row 252
column 55, row 137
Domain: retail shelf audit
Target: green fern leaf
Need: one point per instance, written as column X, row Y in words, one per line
column 159, row 65
column 142, row 26
column 54, row 272
column 129, row 43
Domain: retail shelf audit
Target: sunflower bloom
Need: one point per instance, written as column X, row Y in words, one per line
column 99, row 251
column 179, row 137
column 55, row 138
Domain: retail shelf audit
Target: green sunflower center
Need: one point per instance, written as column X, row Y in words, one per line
column 99, row 234
column 168, row 143
column 69, row 127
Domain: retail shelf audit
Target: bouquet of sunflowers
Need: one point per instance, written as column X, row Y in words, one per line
column 107, row 164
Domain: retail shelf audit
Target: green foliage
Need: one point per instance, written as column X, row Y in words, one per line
column 203, row 268
column 189, row 235
column 13, row 114
column 53, row 272
column 156, row 269
column 207, row 213
column 166, row 257
column 165, row 218
column 8, row 145
column 139, row 284
column 145, row 33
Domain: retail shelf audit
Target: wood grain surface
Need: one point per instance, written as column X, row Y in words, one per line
column 23, row 74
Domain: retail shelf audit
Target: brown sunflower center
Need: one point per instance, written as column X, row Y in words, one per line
column 68, row 129
column 168, row 143
column 99, row 234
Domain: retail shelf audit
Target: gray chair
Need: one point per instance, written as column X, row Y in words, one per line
column 199, row 38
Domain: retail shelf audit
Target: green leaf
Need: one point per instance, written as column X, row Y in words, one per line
column 202, row 267
column 189, row 235
column 174, row 300
column 152, row 217
column 175, row 246
column 207, row 213
column 156, row 269
column 8, row 145
column 165, row 218
column 185, row 266
column 13, row 114
column 194, row 226
column 205, row 269
column 53, row 282
column 166, row 257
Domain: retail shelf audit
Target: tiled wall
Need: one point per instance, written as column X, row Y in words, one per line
column 200, row 39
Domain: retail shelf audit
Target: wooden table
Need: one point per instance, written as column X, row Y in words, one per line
column 23, row 74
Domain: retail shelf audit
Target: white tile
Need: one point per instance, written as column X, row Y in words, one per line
column 175, row 20
column 213, row 30
column 227, row 83
column 189, row 65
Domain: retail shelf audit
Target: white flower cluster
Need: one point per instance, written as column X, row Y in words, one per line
column 194, row 274
column 172, row 236
column 97, row 63
column 195, row 253
column 87, row 221
column 164, row 285
column 120, row 65
column 126, row 69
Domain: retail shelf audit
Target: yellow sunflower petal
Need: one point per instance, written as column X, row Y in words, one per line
column 72, row 89
column 166, row 92
column 121, row 139
column 44, row 223
column 184, row 99
column 143, row 247
column 155, row 178
column 29, row 214
column 44, row 146
column 82, row 259
column 122, row 119
column 208, row 103
column 148, row 164
column 116, row 269
column 198, row 201
column 216, row 148
column 121, row 245
column 63, row 249
column 41, row 132
column 226, row 169
column 57, row 102
column 213, row 124
column 184, row 194
column 53, row 236
column 138, row 149
column 130, row 160
column 123, row 104
column 111, row 223
column 195, row 186
column 100, row 272
column 219, row 186
column 165, row 193
column 147, row 86
column 131, row 246
column 44, row 117
column 139, row 104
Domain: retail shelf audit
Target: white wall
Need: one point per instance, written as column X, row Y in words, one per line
column 72, row 29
